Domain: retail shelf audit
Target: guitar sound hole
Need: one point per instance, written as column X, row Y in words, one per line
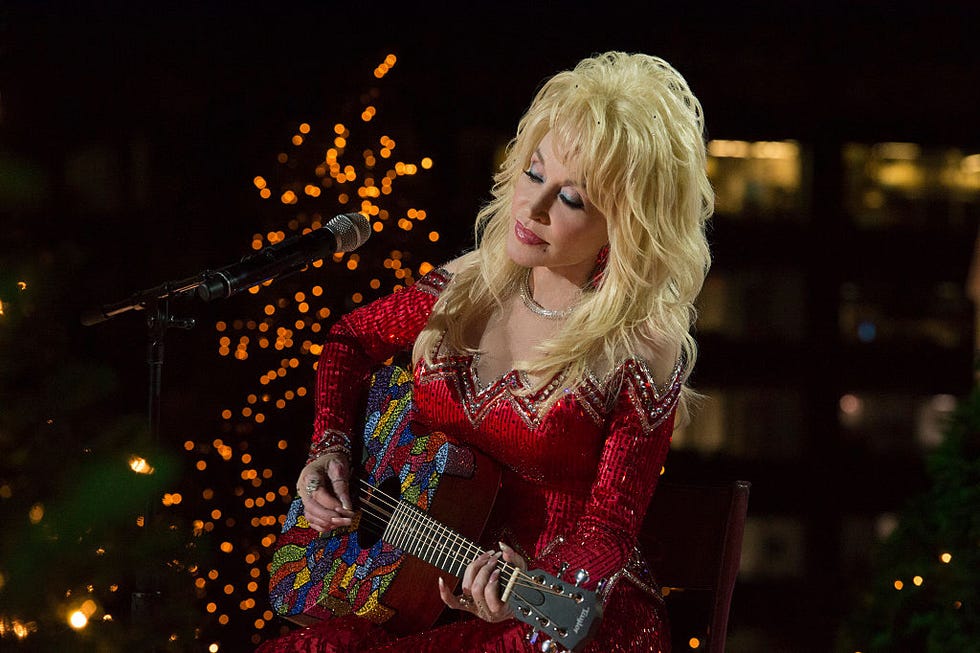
column 376, row 511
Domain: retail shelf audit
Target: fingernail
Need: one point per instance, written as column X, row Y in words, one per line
column 441, row 584
column 503, row 546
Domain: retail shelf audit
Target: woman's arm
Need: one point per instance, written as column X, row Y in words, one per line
column 640, row 428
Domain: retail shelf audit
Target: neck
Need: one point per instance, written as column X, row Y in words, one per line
column 551, row 292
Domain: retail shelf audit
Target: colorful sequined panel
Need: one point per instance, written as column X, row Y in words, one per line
column 348, row 570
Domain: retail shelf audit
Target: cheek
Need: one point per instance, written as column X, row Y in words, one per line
column 520, row 198
column 593, row 237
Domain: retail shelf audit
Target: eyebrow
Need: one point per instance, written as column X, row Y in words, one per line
column 567, row 182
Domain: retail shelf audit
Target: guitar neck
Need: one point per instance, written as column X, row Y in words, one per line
column 414, row 532
column 565, row 613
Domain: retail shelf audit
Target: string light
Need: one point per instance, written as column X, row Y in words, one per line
column 357, row 165
column 346, row 165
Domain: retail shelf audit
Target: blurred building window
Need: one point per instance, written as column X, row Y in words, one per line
column 753, row 423
column 904, row 184
column 937, row 314
column 895, row 423
column 761, row 304
column 758, row 180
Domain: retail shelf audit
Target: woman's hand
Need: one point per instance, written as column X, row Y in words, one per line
column 324, row 487
column 481, row 586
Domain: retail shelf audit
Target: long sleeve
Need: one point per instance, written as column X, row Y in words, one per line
column 359, row 342
column 640, row 428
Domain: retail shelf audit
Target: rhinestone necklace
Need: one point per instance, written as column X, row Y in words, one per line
column 536, row 308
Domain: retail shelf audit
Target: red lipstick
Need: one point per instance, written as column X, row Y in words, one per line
column 527, row 236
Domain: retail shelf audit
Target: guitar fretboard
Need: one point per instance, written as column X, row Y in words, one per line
column 425, row 538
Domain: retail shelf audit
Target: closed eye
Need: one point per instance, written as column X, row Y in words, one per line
column 533, row 176
column 572, row 202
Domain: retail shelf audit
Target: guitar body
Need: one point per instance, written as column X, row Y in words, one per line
column 353, row 570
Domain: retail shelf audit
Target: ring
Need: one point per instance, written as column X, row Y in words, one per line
column 311, row 486
column 466, row 600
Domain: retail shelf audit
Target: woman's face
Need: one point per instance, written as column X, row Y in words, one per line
column 554, row 224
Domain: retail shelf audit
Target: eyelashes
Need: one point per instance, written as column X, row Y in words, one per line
column 533, row 176
column 571, row 202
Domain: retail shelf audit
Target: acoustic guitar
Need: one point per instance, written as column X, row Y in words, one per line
column 421, row 504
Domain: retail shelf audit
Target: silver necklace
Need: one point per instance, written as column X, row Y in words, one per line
column 536, row 308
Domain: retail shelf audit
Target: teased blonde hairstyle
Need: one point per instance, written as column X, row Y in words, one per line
column 628, row 126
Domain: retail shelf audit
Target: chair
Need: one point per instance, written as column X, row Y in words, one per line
column 692, row 538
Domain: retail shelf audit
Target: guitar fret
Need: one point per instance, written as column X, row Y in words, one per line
column 465, row 555
column 437, row 542
column 425, row 542
column 440, row 547
column 445, row 559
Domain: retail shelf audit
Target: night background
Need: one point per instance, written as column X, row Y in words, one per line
column 141, row 144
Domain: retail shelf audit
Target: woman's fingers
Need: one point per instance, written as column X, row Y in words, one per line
column 461, row 602
column 486, row 591
column 323, row 485
column 338, row 474
column 512, row 557
column 469, row 575
column 481, row 588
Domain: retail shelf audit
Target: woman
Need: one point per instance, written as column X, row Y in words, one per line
column 560, row 347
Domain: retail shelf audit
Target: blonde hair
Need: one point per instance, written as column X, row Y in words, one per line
column 628, row 126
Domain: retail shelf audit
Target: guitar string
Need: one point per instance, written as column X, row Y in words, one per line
column 514, row 570
column 523, row 579
column 419, row 519
column 369, row 492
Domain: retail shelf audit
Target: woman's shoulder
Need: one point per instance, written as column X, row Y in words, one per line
column 661, row 356
column 438, row 278
column 656, row 357
column 458, row 264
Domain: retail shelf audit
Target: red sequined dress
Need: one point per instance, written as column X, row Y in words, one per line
column 576, row 481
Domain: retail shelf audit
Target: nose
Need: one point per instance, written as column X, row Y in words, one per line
column 541, row 206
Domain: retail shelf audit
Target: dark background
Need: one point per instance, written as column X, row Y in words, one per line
column 192, row 100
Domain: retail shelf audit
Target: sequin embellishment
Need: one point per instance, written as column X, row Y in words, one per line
column 597, row 397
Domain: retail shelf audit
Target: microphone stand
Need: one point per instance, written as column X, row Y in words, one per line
column 343, row 233
column 147, row 595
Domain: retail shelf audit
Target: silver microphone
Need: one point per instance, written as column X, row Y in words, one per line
column 343, row 233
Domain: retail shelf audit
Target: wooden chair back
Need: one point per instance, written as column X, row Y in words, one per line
column 692, row 538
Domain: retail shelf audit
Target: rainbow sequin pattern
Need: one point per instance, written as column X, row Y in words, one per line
column 331, row 575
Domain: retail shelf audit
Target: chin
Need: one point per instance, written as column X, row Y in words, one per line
column 519, row 253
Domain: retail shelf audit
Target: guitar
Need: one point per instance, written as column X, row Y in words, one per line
column 411, row 527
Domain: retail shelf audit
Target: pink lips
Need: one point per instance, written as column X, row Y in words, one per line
column 527, row 236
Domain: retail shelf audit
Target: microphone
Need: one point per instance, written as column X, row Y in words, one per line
column 343, row 233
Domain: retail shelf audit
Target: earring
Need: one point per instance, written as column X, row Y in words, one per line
column 599, row 269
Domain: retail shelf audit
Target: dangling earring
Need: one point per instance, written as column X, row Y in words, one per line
column 599, row 269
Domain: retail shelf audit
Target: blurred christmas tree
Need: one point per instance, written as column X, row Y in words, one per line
column 101, row 515
column 925, row 587
column 83, row 486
